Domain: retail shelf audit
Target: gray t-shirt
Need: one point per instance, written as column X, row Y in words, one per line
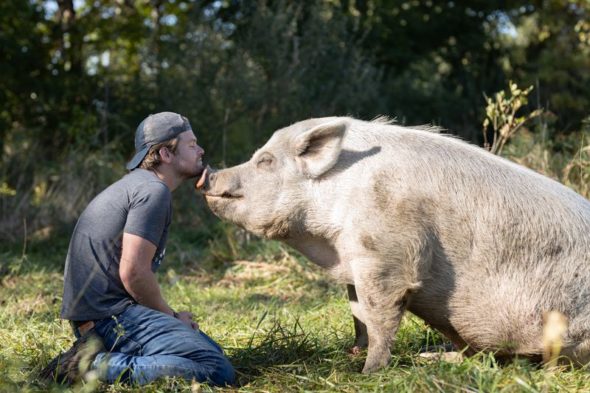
column 139, row 204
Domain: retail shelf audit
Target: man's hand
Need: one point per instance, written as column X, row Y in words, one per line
column 187, row 318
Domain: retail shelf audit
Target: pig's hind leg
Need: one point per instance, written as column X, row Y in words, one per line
column 579, row 354
column 361, row 339
column 577, row 345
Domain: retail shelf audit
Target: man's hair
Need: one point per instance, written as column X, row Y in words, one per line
column 152, row 158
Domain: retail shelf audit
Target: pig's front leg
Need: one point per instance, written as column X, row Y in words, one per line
column 383, row 300
column 361, row 338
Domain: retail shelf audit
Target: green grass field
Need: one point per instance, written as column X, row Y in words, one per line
column 283, row 323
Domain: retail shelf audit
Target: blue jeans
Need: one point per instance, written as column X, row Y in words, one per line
column 143, row 344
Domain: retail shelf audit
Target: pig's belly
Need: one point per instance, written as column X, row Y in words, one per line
column 503, row 318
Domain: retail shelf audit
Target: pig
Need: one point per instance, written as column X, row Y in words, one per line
column 411, row 219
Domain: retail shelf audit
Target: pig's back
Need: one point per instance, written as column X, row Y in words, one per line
column 465, row 183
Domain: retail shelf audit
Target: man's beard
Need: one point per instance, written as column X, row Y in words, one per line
column 190, row 173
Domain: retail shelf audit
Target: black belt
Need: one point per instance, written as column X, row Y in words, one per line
column 82, row 327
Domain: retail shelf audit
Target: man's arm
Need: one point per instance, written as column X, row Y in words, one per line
column 135, row 270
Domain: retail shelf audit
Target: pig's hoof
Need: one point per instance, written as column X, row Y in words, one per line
column 368, row 369
column 449, row 357
column 447, row 347
column 373, row 364
column 356, row 350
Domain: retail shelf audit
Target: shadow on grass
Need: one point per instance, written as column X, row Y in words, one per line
column 282, row 348
column 288, row 350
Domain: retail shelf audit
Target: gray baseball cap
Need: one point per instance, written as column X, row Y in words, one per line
column 155, row 129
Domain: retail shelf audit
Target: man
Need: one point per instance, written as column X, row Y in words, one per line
column 110, row 290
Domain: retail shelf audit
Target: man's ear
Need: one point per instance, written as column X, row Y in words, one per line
column 165, row 154
column 317, row 150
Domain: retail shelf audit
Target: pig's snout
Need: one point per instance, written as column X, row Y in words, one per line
column 219, row 184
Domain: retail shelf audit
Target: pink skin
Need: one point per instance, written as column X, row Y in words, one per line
column 201, row 182
column 354, row 351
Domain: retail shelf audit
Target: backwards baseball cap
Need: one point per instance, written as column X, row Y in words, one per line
column 155, row 129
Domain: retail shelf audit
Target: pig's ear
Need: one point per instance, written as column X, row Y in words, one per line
column 317, row 150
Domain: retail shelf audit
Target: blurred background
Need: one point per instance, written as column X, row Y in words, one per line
column 77, row 76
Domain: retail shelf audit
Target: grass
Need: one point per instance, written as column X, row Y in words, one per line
column 284, row 325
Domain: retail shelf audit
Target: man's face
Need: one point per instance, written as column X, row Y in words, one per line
column 188, row 159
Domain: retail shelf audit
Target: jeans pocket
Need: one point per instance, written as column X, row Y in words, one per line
column 127, row 346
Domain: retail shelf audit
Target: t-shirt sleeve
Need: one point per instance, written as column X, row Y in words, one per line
column 149, row 211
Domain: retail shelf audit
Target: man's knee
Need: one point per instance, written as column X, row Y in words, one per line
column 223, row 372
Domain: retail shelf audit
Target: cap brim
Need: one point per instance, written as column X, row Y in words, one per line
column 137, row 158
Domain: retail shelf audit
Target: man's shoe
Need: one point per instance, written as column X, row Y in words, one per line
column 70, row 366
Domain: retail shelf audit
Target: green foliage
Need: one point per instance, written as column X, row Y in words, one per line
column 577, row 172
column 6, row 190
column 550, row 50
column 438, row 58
column 51, row 198
column 80, row 75
column 501, row 116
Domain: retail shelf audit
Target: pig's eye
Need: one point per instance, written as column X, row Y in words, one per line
column 265, row 161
